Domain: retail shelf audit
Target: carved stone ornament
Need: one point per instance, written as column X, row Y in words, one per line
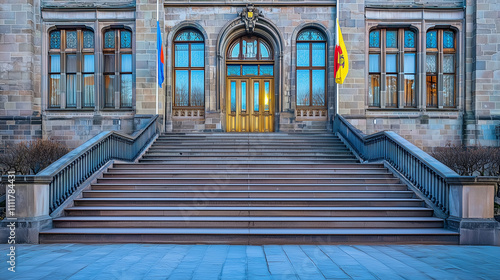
column 250, row 15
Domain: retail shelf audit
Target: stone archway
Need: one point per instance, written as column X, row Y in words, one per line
column 258, row 26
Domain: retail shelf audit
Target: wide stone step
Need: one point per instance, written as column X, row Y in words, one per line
column 246, row 138
column 244, row 170
column 268, row 156
column 251, row 145
column 243, row 175
column 258, row 146
column 245, row 154
column 223, row 166
column 250, row 194
column 253, row 236
column 273, row 146
column 205, row 211
column 249, row 187
column 337, row 202
column 247, row 222
column 270, row 180
column 246, row 151
column 254, row 161
column 247, row 135
column 248, row 166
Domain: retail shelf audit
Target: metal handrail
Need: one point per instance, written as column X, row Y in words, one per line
column 426, row 173
column 69, row 172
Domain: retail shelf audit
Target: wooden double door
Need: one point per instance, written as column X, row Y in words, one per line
column 250, row 104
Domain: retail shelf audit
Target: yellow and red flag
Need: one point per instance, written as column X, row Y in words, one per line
column 341, row 60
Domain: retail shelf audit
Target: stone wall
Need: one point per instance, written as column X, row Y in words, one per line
column 19, row 71
column 416, row 3
column 75, row 129
column 146, row 58
column 485, row 72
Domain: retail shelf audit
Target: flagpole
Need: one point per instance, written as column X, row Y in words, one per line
column 157, row 58
column 337, row 99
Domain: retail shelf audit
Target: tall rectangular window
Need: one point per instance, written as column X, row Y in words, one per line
column 395, row 49
column 189, row 69
column 311, row 68
column 391, row 68
column 55, row 80
column 410, row 70
column 431, row 79
column 441, row 62
column 71, row 81
column 88, row 80
column 126, row 80
column 374, row 80
column 71, row 69
column 118, row 69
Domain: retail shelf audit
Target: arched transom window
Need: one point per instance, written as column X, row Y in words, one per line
column 189, row 69
column 311, row 68
column 250, row 48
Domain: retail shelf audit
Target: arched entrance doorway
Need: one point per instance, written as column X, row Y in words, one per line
column 250, row 98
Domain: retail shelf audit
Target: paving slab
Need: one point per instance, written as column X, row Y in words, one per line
column 185, row 262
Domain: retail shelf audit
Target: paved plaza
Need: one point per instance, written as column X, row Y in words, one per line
column 151, row 261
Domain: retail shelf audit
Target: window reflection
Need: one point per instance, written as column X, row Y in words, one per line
column 243, row 96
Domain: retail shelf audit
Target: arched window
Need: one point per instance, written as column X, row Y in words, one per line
column 71, row 68
column 387, row 48
column 249, row 48
column 311, row 68
column 117, row 72
column 189, row 69
column 440, row 59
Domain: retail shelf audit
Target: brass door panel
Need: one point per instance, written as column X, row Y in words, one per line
column 250, row 105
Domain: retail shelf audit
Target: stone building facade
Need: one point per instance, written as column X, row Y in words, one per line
column 428, row 70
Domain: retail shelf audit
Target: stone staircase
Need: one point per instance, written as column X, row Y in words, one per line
column 248, row 189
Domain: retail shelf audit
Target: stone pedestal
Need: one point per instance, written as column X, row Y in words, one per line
column 471, row 211
column 30, row 211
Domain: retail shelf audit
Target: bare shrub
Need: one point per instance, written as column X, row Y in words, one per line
column 470, row 161
column 31, row 157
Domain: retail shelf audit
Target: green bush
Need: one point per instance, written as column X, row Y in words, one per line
column 31, row 157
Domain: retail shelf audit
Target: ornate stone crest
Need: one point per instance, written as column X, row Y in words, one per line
column 250, row 15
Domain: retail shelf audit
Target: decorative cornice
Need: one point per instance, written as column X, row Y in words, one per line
column 88, row 6
column 275, row 3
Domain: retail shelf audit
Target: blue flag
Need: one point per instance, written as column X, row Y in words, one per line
column 161, row 60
